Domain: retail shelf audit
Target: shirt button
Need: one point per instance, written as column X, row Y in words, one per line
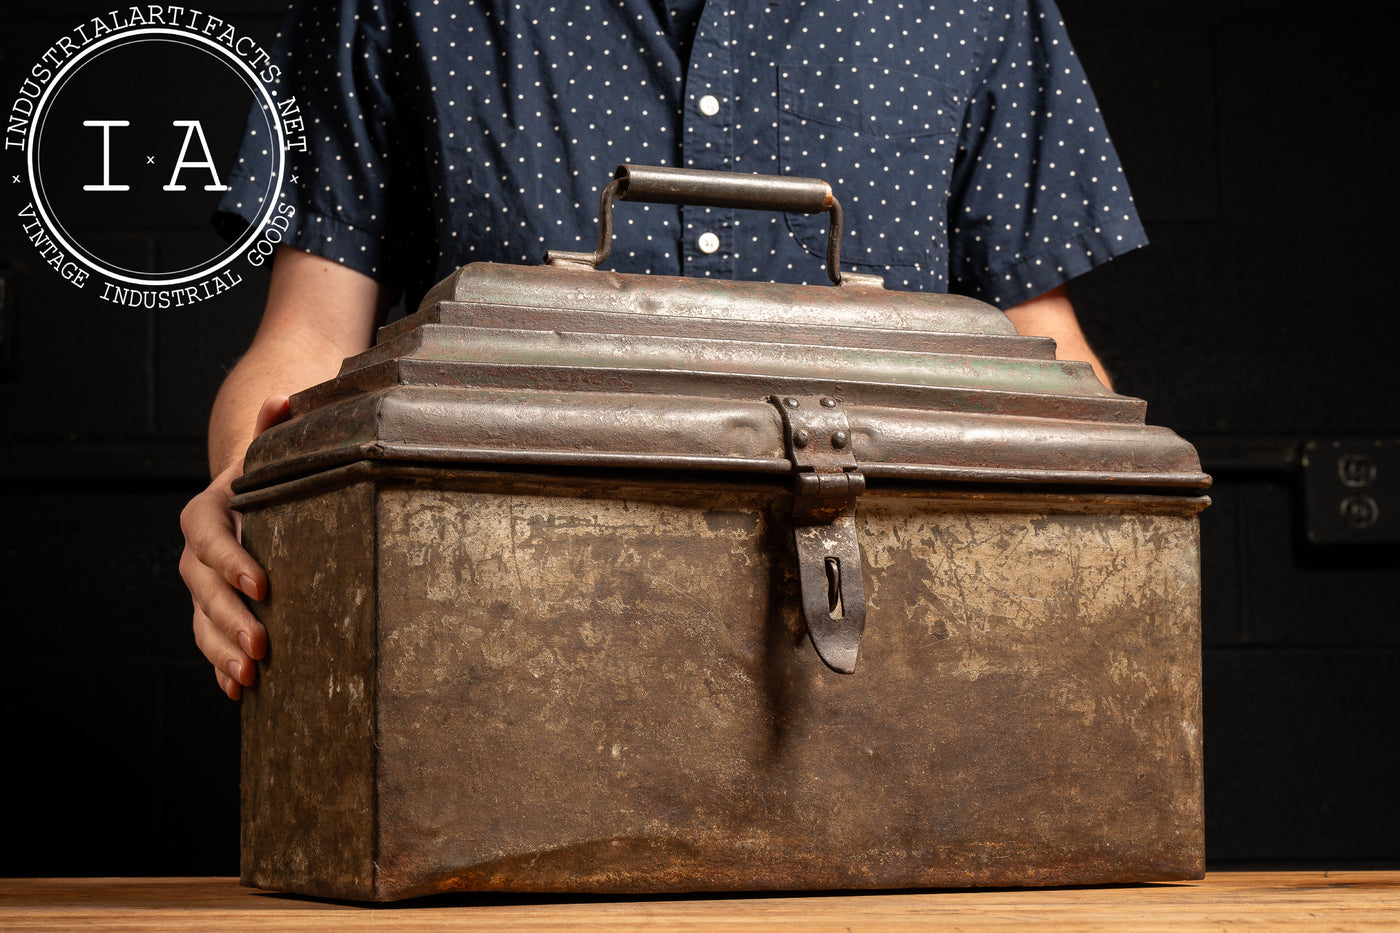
column 709, row 105
column 707, row 242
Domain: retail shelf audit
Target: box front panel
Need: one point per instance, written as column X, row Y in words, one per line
column 584, row 689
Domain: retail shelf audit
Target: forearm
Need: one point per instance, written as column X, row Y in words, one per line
column 318, row 313
column 1052, row 315
column 269, row 368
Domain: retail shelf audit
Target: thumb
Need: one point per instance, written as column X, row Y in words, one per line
column 275, row 410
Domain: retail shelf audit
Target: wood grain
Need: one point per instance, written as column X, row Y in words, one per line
column 1276, row 901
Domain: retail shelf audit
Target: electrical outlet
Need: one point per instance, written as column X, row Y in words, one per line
column 1352, row 490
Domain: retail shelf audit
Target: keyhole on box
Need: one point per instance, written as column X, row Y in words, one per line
column 833, row 588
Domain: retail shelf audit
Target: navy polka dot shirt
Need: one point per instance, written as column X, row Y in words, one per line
column 962, row 138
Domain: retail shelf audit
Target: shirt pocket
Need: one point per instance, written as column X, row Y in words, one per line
column 885, row 141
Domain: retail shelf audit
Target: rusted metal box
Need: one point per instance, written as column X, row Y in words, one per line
column 568, row 570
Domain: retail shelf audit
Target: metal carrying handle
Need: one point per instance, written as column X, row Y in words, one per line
column 657, row 185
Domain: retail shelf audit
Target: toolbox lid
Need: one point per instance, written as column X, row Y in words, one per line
column 566, row 365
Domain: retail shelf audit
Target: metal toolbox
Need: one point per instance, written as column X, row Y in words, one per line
column 592, row 582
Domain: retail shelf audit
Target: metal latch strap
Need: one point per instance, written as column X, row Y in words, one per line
column 832, row 586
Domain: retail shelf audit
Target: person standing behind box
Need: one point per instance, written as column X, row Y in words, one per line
column 963, row 140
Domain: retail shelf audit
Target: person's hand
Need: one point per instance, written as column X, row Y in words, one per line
column 217, row 569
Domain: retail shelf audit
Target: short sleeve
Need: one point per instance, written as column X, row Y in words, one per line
column 335, row 88
column 1038, row 194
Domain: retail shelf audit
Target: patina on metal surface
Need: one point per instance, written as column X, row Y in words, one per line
column 549, row 564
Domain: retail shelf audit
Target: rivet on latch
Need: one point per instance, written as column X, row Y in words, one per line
column 840, row 439
column 828, row 401
column 791, row 403
column 801, row 438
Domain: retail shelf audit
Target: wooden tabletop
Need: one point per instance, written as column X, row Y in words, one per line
column 1275, row 901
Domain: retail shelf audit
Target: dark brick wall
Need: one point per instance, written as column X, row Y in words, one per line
column 120, row 757
column 1255, row 322
column 1259, row 319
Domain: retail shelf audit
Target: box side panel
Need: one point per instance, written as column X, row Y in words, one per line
column 308, row 749
column 591, row 691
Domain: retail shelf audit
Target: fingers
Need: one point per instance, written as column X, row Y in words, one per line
column 228, row 685
column 216, row 569
column 233, row 667
column 214, row 647
column 222, row 605
column 228, row 635
column 219, row 572
column 211, row 540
